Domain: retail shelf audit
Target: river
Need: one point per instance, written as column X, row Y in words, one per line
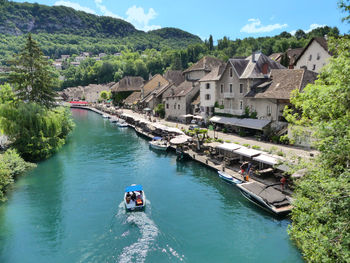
column 69, row 208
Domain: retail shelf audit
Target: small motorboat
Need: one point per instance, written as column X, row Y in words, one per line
column 106, row 116
column 134, row 198
column 228, row 178
column 266, row 197
column 113, row 120
column 122, row 124
column 159, row 144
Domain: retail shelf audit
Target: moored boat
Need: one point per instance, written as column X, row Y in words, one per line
column 228, row 178
column 266, row 197
column 106, row 116
column 122, row 124
column 113, row 120
column 134, row 198
column 159, row 144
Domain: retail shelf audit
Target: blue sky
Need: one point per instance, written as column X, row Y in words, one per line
column 232, row 18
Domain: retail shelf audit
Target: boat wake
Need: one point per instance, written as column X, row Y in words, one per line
column 137, row 251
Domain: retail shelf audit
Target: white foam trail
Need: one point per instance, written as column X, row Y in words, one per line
column 149, row 231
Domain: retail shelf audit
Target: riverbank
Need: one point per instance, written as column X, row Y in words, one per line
column 132, row 118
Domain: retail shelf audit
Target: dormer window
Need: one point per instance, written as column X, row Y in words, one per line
column 231, row 72
column 310, row 57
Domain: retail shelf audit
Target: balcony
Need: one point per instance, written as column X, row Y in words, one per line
column 229, row 111
column 229, row 95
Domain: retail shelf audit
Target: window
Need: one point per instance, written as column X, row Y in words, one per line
column 241, row 104
column 310, row 57
column 241, row 88
column 318, row 56
column 231, row 72
column 222, row 88
column 207, row 86
column 268, row 110
column 230, row 88
column 178, row 106
column 167, row 106
column 175, row 106
column 207, row 96
column 314, row 67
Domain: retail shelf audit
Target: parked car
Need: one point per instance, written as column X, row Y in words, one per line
column 193, row 126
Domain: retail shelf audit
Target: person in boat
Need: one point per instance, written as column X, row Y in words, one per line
column 133, row 196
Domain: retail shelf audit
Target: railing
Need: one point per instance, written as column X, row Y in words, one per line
column 229, row 111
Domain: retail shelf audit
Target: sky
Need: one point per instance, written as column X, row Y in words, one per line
column 231, row 18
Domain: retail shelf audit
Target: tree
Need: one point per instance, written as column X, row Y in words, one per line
column 32, row 77
column 105, row 95
column 35, row 131
column 160, row 110
column 211, row 43
column 321, row 214
column 345, row 6
column 299, row 34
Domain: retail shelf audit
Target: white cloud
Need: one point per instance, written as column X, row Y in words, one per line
column 135, row 15
column 255, row 26
column 293, row 32
column 104, row 10
column 76, row 6
column 313, row 26
column 140, row 19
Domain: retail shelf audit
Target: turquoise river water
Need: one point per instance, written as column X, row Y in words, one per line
column 69, row 208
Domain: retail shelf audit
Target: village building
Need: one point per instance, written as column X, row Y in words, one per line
column 90, row 93
column 65, row 57
column 223, row 90
column 201, row 68
column 141, row 100
column 314, row 56
column 269, row 99
column 292, row 55
column 174, row 76
column 126, row 86
column 178, row 99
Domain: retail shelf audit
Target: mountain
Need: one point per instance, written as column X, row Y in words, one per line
column 22, row 18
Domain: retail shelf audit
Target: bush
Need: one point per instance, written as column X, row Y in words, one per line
column 246, row 145
column 275, row 139
column 280, row 153
column 228, row 141
column 11, row 166
column 256, row 147
column 284, row 139
column 36, row 132
column 242, row 133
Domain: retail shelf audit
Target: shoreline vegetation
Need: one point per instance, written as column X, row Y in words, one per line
column 29, row 117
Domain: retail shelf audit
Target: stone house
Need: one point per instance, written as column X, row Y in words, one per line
column 177, row 100
column 226, row 86
column 201, row 68
column 314, row 56
column 292, row 55
column 270, row 98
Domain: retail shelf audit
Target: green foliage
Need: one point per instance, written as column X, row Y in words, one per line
column 36, row 132
column 6, row 94
column 321, row 213
column 11, row 166
column 345, row 6
column 246, row 145
column 228, row 141
column 284, row 139
column 31, row 75
column 160, row 110
column 256, row 147
column 105, row 95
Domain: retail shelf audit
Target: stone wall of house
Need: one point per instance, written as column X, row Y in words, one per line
column 204, row 91
column 314, row 58
column 195, row 75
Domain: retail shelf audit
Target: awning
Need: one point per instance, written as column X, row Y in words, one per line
column 175, row 130
column 180, row 139
column 267, row 159
column 254, row 124
column 247, row 152
column 225, row 120
column 187, row 116
column 133, row 188
column 228, row 146
column 78, row 102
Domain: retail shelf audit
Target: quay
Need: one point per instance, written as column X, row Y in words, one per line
column 198, row 157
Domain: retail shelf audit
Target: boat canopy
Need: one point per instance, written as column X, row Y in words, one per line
column 156, row 138
column 133, row 188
